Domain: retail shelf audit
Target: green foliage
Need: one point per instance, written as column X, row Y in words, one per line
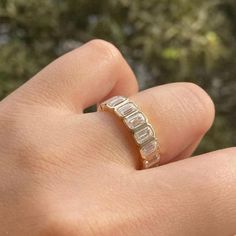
column 164, row 41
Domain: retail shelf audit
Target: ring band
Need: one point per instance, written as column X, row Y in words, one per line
column 137, row 123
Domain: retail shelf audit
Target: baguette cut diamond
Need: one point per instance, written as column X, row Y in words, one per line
column 115, row 101
column 126, row 109
column 143, row 135
column 137, row 123
column 148, row 149
column 134, row 121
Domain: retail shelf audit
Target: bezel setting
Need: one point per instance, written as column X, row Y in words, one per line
column 135, row 120
column 141, row 130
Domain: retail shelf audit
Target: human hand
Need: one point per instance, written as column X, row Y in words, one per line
column 63, row 172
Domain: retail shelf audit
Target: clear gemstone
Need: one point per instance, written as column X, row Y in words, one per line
column 151, row 163
column 144, row 134
column 135, row 120
column 149, row 149
column 115, row 101
column 126, row 109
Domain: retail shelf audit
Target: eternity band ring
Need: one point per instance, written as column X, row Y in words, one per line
column 139, row 127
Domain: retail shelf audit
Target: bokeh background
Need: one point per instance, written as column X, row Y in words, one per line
column 163, row 40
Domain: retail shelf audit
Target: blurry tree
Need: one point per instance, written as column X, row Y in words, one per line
column 164, row 41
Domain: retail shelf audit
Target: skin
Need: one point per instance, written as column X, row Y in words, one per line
column 63, row 172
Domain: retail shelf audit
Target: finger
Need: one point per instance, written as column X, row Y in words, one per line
column 188, row 151
column 180, row 113
column 82, row 78
column 198, row 193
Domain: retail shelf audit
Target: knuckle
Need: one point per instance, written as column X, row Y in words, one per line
column 200, row 94
column 202, row 97
column 198, row 105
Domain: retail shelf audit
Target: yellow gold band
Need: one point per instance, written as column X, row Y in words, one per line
column 142, row 131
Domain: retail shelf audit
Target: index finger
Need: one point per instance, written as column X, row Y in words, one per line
column 81, row 78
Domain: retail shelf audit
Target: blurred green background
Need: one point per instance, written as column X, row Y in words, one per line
column 163, row 40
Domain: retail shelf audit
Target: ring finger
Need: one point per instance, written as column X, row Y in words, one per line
column 180, row 113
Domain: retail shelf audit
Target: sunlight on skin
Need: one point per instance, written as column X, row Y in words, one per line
column 63, row 172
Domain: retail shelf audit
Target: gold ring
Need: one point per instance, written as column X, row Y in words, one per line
column 137, row 123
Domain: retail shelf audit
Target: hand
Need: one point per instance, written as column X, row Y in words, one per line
column 63, row 172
